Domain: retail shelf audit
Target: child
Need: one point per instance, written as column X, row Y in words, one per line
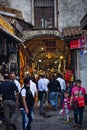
column 66, row 107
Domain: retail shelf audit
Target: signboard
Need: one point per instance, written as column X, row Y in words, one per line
column 40, row 32
column 75, row 44
column 6, row 25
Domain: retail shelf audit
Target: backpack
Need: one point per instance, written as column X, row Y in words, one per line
column 29, row 98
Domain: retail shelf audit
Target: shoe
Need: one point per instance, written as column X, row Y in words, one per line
column 79, row 126
column 13, row 127
column 75, row 126
column 66, row 122
column 43, row 114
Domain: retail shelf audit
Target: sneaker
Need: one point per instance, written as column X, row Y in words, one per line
column 66, row 122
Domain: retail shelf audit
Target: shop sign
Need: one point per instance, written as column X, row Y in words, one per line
column 6, row 25
column 40, row 32
column 75, row 44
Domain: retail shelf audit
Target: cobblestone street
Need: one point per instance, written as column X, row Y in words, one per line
column 53, row 122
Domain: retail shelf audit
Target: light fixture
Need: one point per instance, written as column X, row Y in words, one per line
column 61, row 57
column 42, row 48
column 40, row 61
column 55, row 62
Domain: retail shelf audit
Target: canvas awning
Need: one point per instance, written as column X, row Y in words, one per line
column 72, row 31
column 4, row 33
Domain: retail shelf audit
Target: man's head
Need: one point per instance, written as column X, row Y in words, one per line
column 26, row 81
column 12, row 76
column 6, row 76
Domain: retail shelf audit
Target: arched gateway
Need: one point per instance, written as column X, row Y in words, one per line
column 43, row 51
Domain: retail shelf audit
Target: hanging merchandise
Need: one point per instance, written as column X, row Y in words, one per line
column 69, row 75
column 85, row 42
column 81, row 48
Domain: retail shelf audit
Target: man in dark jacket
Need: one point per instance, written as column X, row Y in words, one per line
column 54, row 89
column 8, row 89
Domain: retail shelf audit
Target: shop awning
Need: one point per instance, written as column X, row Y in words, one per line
column 13, row 38
column 72, row 31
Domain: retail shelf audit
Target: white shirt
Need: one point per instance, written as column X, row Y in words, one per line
column 33, row 89
column 62, row 83
column 41, row 85
column 46, row 83
column 17, row 84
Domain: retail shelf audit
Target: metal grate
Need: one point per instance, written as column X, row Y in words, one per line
column 45, row 3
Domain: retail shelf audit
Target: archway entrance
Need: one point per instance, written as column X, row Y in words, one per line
column 44, row 53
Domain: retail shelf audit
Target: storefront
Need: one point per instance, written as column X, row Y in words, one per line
column 83, row 61
column 9, row 44
column 83, row 22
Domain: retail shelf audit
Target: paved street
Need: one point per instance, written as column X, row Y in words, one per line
column 53, row 122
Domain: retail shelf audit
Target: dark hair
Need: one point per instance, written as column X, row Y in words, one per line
column 6, row 76
column 78, row 81
column 41, row 75
column 66, row 92
column 26, row 80
column 53, row 76
column 59, row 75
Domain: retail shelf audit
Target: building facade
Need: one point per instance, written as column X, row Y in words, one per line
column 55, row 15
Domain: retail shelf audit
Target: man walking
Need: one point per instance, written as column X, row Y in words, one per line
column 42, row 89
column 8, row 89
column 13, row 78
column 27, row 102
column 54, row 89
column 63, row 88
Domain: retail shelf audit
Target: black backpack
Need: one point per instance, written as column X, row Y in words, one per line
column 29, row 98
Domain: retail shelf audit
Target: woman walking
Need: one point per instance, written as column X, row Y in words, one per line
column 77, row 98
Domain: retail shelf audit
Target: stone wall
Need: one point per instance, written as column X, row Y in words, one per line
column 71, row 12
column 83, row 69
column 24, row 6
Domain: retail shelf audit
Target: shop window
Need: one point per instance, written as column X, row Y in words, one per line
column 44, row 13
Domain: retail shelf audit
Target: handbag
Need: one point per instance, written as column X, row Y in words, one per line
column 74, row 104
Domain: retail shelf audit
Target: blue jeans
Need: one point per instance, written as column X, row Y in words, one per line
column 24, row 119
column 42, row 95
column 27, row 119
column 30, row 118
column 53, row 98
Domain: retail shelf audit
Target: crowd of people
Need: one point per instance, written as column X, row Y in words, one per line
column 62, row 96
